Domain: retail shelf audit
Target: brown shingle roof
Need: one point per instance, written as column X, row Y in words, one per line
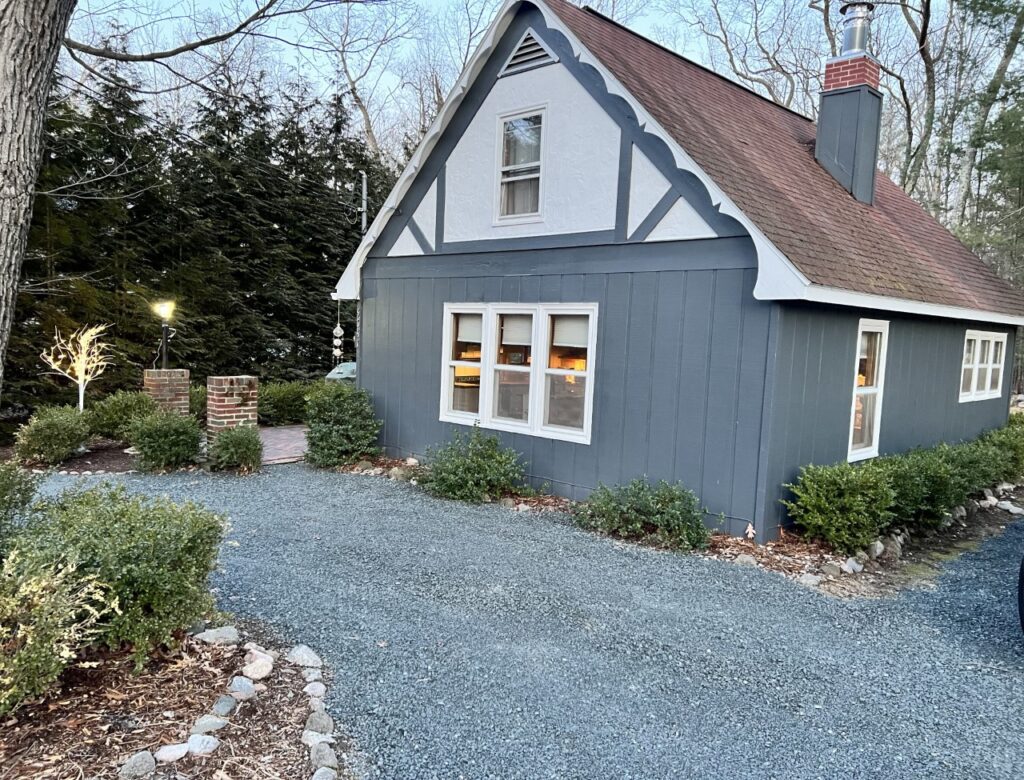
column 762, row 156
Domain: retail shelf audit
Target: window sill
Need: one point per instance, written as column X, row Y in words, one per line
column 518, row 219
column 966, row 399
column 576, row 437
column 859, row 455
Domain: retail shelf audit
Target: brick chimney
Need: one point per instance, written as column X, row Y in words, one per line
column 850, row 113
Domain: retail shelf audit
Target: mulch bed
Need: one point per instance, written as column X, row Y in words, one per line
column 104, row 713
column 103, row 456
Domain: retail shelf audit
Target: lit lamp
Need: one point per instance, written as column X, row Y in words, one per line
column 164, row 310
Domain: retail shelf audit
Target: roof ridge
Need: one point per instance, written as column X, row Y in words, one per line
column 694, row 63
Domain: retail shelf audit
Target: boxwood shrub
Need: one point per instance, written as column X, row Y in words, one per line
column 849, row 505
column 472, row 467
column 52, row 435
column 665, row 513
column 17, row 489
column 165, row 440
column 237, row 448
column 342, row 425
column 112, row 417
column 48, row 612
column 153, row 555
column 283, row 403
column 846, row 505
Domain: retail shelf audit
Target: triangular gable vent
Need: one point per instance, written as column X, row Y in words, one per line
column 530, row 53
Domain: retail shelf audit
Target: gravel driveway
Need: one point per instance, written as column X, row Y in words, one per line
column 475, row 642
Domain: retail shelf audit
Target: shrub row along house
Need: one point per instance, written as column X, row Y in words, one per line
column 627, row 264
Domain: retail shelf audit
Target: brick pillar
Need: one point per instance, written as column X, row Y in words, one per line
column 168, row 387
column 230, row 402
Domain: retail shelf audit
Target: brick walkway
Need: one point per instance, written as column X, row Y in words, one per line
column 283, row 444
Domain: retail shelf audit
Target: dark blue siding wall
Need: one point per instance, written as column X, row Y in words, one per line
column 680, row 365
column 809, row 401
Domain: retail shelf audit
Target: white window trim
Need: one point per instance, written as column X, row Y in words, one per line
column 520, row 219
column 538, row 368
column 985, row 395
column 868, row 326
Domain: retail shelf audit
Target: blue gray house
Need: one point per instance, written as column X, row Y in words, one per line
column 628, row 265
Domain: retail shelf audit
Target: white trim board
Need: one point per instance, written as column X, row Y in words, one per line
column 777, row 278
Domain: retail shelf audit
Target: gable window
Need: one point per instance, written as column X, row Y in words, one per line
column 520, row 165
column 981, row 374
column 526, row 368
column 868, row 382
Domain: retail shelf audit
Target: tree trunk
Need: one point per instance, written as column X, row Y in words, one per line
column 31, row 32
column 985, row 103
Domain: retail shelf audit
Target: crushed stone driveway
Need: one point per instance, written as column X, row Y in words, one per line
column 476, row 642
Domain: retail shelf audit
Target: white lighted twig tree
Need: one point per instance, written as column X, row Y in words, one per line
column 81, row 357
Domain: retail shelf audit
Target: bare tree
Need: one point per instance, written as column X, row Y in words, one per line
column 363, row 43
column 622, row 11
column 31, row 35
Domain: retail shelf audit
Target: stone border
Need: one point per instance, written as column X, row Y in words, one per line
column 317, row 734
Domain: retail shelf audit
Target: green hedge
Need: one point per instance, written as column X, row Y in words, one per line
column 52, row 435
column 850, row 505
column 237, row 448
column 113, row 416
column 165, row 440
column 666, row 513
column 342, row 425
column 472, row 467
column 283, row 403
column 154, row 557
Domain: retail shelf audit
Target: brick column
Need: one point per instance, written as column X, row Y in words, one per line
column 230, row 402
column 168, row 387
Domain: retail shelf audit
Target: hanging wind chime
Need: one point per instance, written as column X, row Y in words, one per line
column 339, row 334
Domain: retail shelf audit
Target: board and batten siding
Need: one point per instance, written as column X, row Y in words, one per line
column 809, row 400
column 680, row 362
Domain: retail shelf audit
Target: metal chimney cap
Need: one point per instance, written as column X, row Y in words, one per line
column 856, row 27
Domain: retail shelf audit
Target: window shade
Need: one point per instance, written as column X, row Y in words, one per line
column 470, row 328
column 570, row 331
column 517, row 330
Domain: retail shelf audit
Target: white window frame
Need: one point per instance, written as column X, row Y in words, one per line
column 974, row 394
column 539, row 371
column 868, row 326
column 537, row 216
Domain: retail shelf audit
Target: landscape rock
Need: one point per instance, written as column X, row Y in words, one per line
column 312, row 675
column 862, row 556
column 399, row 474
column 259, row 668
column 323, row 755
column 324, row 773
column 852, row 566
column 168, row 754
column 831, row 570
column 202, row 744
column 522, row 507
column 1009, row 506
column 893, row 548
column 508, row 503
column 1004, row 487
column 225, row 705
column 139, row 765
column 301, row 655
column 746, row 560
column 317, row 704
column 225, row 635
column 206, row 723
column 411, row 462
column 875, row 549
column 959, row 513
column 808, row 579
column 320, row 721
column 363, row 465
column 310, row 738
column 987, row 492
column 241, row 688
column 315, row 689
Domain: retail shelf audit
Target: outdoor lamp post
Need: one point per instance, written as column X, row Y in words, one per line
column 164, row 310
